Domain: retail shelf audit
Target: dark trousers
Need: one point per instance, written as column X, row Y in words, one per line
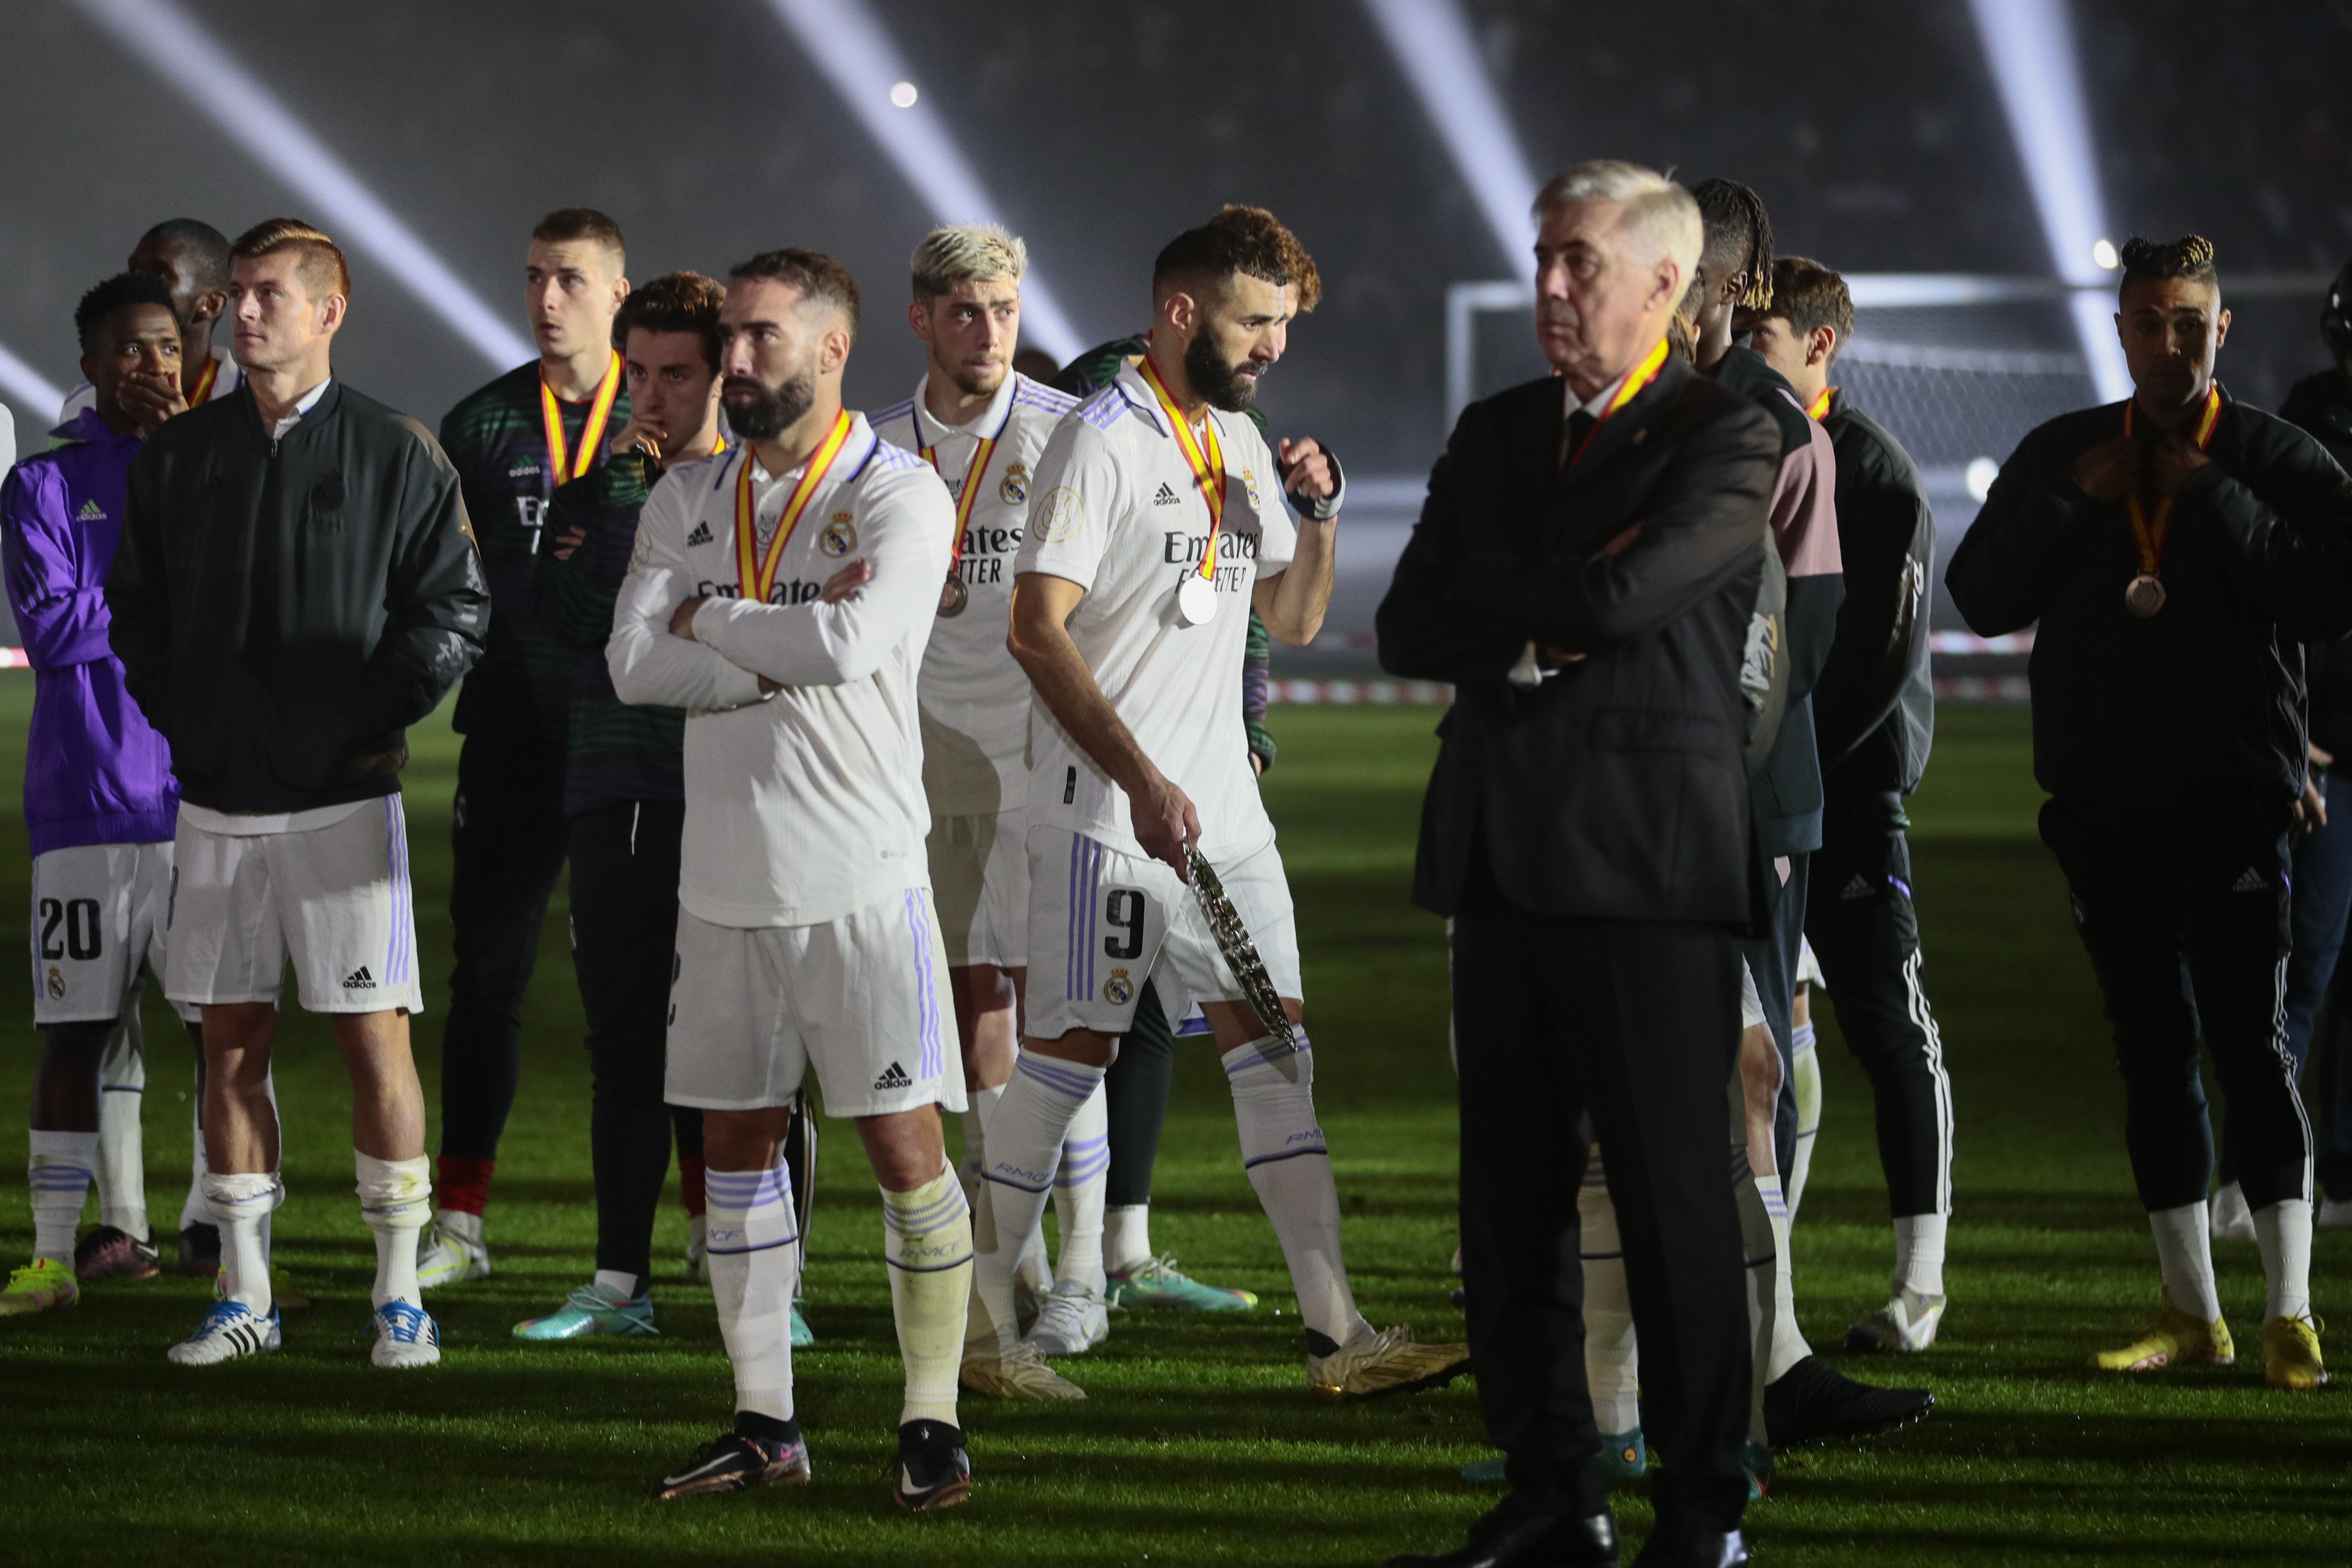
column 2318, row 1000
column 507, row 840
column 624, row 940
column 1627, row 1032
column 1866, row 933
column 2185, row 914
column 1135, row 1094
column 1772, row 959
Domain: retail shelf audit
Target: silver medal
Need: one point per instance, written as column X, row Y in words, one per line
column 1196, row 600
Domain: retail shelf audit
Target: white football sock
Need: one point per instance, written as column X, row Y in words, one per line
column 121, row 1156
column 1755, row 1247
column 193, row 1209
column 618, row 1286
column 927, row 1241
column 396, row 1201
column 238, row 1204
column 754, row 1263
column 58, row 1171
column 2282, row 1235
column 1805, row 1079
column 1789, row 1346
column 1919, row 1254
column 1126, row 1235
column 2184, row 1252
column 1078, row 1194
column 1291, row 1167
column 980, row 1104
column 1025, row 1133
column 1612, row 1365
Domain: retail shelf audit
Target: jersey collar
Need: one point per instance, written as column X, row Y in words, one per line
column 930, row 431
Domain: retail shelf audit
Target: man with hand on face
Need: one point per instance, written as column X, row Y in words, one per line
column 190, row 259
column 625, row 796
column 538, row 426
column 782, row 594
column 2175, row 549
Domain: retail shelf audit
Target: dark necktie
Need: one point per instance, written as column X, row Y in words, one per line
column 1580, row 427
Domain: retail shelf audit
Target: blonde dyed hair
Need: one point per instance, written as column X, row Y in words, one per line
column 955, row 254
column 1658, row 213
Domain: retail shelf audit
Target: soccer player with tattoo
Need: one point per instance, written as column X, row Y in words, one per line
column 782, row 593
column 1159, row 521
column 536, row 428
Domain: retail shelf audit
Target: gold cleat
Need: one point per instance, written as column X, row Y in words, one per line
column 2291, row 1353
column 1389, row 1362
column 2175, row 1339
column 1019, row 1373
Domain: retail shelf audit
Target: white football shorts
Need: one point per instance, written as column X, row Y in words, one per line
column 863, row 999
column 98, row 912
column 334, row 899
column 1101, row 922
column 979, row 884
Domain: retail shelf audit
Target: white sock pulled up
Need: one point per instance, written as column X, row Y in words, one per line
column 239, row 1204
column 1789, row 1346
column 1805, row 1083
column 754, row 1265
column 2184, row 1252
column 1026, row 1135
column 1919, row 1253
column 396, row 1201
column 1612, row 1362
column 1078, row 1186
column 121, row 1169
column 59, row 1170
column 927, row 1241
column 1126, row 1235
column 2282, row 1235
column 1289, row 1165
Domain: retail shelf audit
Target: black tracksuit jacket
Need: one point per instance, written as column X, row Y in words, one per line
column 1874, row 706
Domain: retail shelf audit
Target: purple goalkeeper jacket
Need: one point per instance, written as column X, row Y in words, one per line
column 95, row 772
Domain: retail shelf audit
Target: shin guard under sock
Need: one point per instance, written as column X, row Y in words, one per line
column 927, row 1241
column 1079, row 1194
column 1291, row 1167
column 121, row 1169
column 1025, row 1133
column 396, row 1201
column 59, row 1171
column 239, row 1204
column 754, row 1265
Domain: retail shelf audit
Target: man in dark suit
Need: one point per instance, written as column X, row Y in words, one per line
column 1585, row 572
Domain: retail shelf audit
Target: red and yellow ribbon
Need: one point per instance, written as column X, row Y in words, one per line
column 1207, row 463
column 755, row 572
column 1639, row 377
column 1820, row 410
column 2149, row 533
column 203, row 392
column 968, row 495
column 592, row 436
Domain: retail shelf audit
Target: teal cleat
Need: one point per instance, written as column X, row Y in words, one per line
column 1155, row 1283
column 1624, row 1458
column 590, row 1311
column 802, row 1335
column 1757, row 1460
column 1488, row 1471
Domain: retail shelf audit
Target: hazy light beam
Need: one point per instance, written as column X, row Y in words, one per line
column 177, row 48
column 30, row 387
column 858, row 57
column 1432, row 43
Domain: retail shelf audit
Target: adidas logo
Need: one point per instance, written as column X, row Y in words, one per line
column 701, row 536
column 894, row 1077
column 359, row 979
column 2251, row 880
column 90, row 513
column 1858, row 888
column 1167, row 496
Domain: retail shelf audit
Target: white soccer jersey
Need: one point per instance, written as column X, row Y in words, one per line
column 227, row 376
column 1119, row 513
column 975, row 696
column 808, row 804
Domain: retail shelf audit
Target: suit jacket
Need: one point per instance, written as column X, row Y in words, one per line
column 1616, row 789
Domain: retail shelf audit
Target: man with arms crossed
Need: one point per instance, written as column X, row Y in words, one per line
column 1159, row 509
column 297, row 584
column 781, row 594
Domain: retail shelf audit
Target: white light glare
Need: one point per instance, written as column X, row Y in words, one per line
column 858, row 56
column 1980, row 475
column 178, row 49
column 903, row 94
column 33, row 388
column 1432, row 43
column 2103, row 253
column 2030, row 48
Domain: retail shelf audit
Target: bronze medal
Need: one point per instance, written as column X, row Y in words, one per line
column 953, row 596
column 2143, row 595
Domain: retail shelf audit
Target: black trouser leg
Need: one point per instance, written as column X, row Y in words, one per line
column 1635, row 1026
column 506, row 840
column 624, row 865
column 1772, row 959
column 1865, row 932
column 1136, row 1092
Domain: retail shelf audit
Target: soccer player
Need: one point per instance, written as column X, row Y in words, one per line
column 1874, row 714
column 295, row 584
column 191, row 259
column 2174, row 549
column 100, row 804
column 625, row 794
column 782, row 594
column 1159, row 521
column 538, row 426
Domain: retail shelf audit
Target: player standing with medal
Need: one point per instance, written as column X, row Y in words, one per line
column 2175, row 551
column 1156, row 527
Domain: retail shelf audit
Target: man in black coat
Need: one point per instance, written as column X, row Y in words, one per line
column 2177, row 549
column 1585, row 572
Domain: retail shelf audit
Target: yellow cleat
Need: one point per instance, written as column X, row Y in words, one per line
column 37, row 1286
column 1389, row 1362
column 2175, row 1339
column 2291, row 1353
column 1020, row 1372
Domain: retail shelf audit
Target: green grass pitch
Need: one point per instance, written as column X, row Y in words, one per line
column 1201, row 1442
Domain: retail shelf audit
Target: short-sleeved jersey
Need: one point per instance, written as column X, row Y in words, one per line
column 807, row 804
column 498, row 439
column 975, row 696
column 1119, row 512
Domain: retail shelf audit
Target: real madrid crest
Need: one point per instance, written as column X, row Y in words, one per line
column 1249, row 486
column 839, row 537
column 58, row 982
column 1014, row 489
column 1118, row 990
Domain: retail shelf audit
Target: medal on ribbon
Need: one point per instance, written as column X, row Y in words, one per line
column 1819, row 408
column 1638, row 379
column 953, row 594
column 756, row 570
column 1196, row 596
column 203, row 392
column 592, row 435
column 2143, row 595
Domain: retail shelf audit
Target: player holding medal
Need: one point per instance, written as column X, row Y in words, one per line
column 1155, row 528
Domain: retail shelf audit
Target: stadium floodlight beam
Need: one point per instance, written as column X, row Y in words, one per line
column 30, row 386
column 177, row 48
column 2030, row 44
column 1431, row 40
column 866, row 67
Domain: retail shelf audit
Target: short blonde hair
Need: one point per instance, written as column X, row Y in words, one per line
column 320, row 265
column 956, row 254
column 1656, row 210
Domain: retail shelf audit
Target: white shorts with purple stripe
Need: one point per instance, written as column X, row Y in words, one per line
column 1101, row 922
column 862, row 999
column 335, row 899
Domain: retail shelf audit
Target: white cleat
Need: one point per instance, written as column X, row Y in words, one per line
column 229, row 1330
column 405, row 1335
column 1071, row 1320
column 1389, row 1362
column 449, row 1256
column 1907, row 1322
column 2232, row 1220
column 1020, row 1374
